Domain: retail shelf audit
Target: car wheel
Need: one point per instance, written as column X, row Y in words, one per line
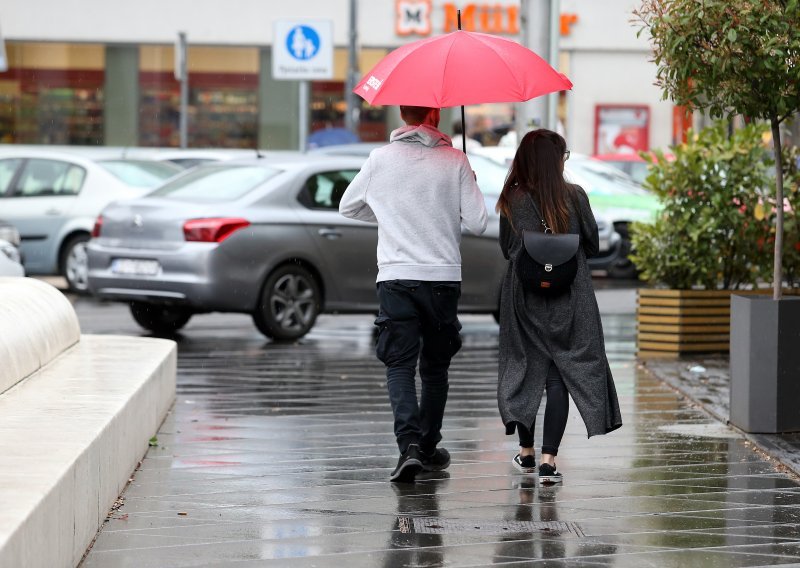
column 160, row 319
column 289, row 303
column 74, row 264
column 624, row 269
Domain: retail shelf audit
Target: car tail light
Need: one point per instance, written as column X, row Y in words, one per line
column 212, row 230
column 98, row 226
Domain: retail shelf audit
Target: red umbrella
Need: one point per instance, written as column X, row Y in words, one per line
column 460, row 68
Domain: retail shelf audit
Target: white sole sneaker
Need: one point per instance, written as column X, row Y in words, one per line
column 517, row 461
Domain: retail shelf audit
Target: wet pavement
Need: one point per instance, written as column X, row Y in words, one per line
column 706, row 380
column 279, row 455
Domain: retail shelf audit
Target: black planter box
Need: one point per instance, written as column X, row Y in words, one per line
column 765, row 364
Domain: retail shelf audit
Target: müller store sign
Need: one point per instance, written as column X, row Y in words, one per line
column 422, row 18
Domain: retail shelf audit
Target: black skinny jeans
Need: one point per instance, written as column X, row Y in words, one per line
column 555, row 415
column 418, row 320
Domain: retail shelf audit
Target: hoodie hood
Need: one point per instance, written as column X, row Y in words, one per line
column 421, row 134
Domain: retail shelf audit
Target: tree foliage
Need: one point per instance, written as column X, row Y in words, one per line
column 729, row 56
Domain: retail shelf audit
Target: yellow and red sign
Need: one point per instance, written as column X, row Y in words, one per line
column 414, row 17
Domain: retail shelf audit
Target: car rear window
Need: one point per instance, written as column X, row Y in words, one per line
column 215, row 183
column 141, row 173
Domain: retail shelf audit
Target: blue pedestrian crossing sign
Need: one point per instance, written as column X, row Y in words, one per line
column 302, row 49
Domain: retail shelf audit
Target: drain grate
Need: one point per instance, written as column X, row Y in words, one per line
column 435, row 525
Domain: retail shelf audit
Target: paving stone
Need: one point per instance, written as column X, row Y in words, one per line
column 279, row 455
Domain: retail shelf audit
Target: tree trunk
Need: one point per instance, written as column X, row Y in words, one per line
column 777, row 276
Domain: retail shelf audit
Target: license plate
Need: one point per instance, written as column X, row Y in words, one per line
column 604, row 245
column 135, row 267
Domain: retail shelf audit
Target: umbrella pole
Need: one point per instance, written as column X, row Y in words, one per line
column 463, row 132
column 463, row 122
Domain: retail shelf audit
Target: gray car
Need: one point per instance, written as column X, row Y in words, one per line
column 258, row 236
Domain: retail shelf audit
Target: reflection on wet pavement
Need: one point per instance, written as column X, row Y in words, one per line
column 279, row 455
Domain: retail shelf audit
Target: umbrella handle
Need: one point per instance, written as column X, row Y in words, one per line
column 463, row 132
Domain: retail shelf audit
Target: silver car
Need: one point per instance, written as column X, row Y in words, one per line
column 53, row 199
column 10, row 257
column 258, row 236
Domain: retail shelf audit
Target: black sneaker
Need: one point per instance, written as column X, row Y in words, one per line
column 438, row 461
column 549, row 474
column 408, row 466
column 525, row 464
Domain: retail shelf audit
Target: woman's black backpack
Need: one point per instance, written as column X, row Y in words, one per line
column 547, row 263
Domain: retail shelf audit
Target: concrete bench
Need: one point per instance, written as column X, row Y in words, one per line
column 76, row 414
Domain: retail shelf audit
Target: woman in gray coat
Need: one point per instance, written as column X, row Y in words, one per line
column 549, row 342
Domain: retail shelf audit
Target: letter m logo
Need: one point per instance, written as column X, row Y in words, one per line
column 413, row 17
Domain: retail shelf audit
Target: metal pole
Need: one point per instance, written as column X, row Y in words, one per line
column 555, row 34
column 535, row 29
column 183, row 127
column 352, row 112
column 463, row 121
column 303, row 124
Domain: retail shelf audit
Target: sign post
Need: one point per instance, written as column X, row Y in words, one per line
column 302, row 51
column 3, row 56
column 182, row 75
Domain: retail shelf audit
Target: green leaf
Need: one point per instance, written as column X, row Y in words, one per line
column 732, row 35
column 153, row 442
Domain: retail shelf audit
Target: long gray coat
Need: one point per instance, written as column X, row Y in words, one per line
column 537, row 330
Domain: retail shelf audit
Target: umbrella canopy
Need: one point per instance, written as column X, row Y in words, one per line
column 331, row 137
column 460, row 68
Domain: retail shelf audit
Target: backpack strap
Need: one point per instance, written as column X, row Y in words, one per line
column 575, row 204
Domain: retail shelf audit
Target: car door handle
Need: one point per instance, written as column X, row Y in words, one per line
column 329, row 233
column 53, row 212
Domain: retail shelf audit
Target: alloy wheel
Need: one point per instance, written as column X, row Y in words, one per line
column 292, row 302
column 77, row 267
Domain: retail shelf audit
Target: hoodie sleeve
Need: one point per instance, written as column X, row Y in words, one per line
column 354, row 201
column 473, row 206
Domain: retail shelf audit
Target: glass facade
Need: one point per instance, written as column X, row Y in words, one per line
column 52, row 94
column 93, row 94
column 223, row 97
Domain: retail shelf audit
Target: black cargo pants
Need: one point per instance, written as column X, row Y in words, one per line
column 418, row 320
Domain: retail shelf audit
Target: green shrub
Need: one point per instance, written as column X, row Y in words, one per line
column 713, row 231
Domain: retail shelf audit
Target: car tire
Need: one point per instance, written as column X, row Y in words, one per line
column 623, row 268
column 289, row 303
column 158, row 318
column 73, row 264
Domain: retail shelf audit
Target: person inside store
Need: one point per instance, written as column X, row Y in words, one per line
column 551, row 339
column 420, row 190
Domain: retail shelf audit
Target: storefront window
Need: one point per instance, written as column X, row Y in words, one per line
column 52, row 94
column 223, row 97
column 328, row 108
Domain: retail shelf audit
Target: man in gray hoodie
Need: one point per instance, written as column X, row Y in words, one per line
column 420, row 190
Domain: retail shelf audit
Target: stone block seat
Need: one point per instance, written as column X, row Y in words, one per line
column 76, row 414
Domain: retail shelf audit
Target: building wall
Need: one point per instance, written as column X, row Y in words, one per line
column 600, row 51
column 609, row 65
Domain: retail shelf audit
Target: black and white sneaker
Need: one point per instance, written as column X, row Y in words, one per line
column 438, row 461
column 525, row 464
column 549, row 474
column 408, row 466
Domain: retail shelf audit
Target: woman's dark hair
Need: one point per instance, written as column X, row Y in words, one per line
column 537, row 169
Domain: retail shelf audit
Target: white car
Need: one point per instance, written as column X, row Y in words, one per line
column 10, row 258
column 53, row 199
